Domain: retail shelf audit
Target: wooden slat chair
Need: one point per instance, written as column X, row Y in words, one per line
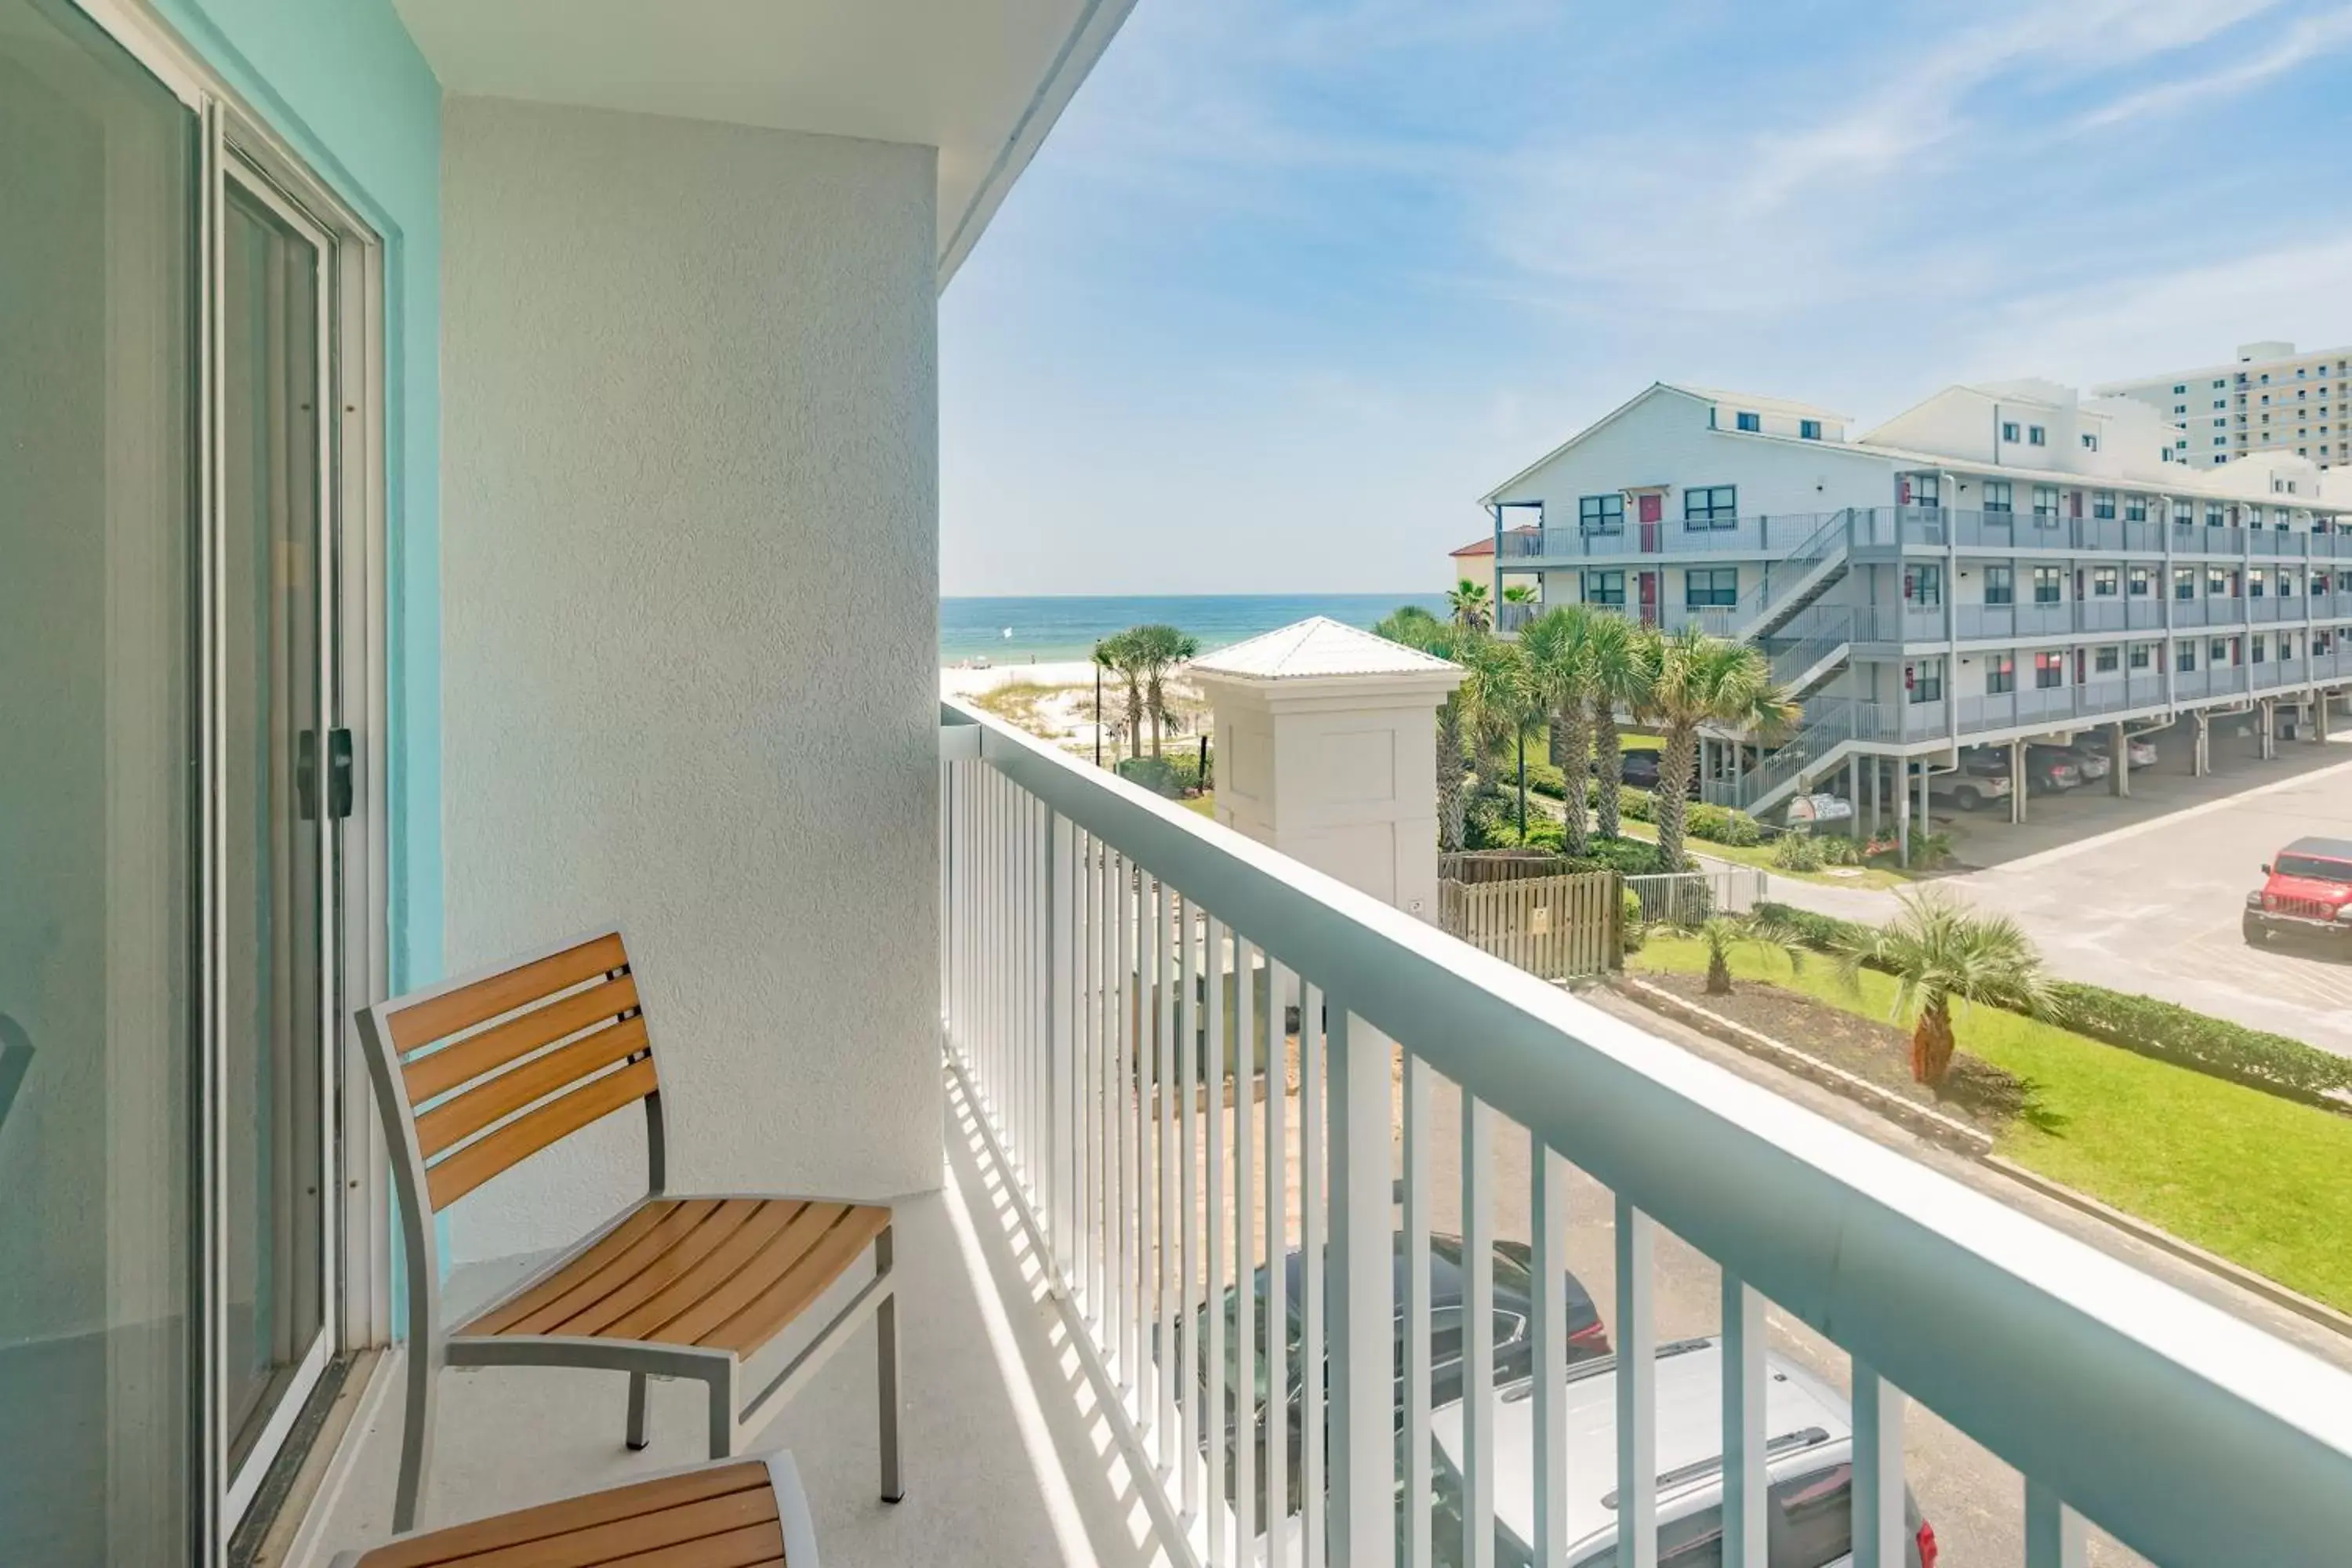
column 745, row 1513
column 474, row 1075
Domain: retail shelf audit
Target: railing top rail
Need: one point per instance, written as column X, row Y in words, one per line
column 2184, row 1431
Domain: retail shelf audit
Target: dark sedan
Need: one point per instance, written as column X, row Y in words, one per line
column 1514, row 1336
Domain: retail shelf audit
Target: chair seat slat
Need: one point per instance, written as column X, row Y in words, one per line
column 461, row 1542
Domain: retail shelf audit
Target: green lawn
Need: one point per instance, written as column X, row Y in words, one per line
column 2263, row 1181
column 1873, row 876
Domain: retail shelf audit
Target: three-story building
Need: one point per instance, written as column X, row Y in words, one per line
column 1999, row 563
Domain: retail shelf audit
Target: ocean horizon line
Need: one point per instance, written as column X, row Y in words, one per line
column 1059, row 626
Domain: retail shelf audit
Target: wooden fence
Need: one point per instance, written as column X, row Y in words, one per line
column 1562, row 928
column 1500, row 865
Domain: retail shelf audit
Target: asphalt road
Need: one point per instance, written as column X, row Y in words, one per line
column 2144, row 895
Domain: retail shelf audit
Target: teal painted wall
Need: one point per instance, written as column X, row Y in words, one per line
column 345, row 85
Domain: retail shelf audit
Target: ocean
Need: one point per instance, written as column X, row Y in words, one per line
column 1008, row 630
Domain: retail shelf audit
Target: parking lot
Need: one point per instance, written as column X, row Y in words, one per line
column 2144, row 893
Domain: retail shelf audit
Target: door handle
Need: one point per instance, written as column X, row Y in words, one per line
column 306, row 774
column 339, row 773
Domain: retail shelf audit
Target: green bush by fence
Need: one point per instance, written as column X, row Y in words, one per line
column 2163, row 1030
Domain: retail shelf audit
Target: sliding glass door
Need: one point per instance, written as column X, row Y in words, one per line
column 100, row 980
column 280, row 783
column 174, row 785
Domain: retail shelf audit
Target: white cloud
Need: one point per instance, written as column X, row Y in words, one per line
column 2309, row 39
column 1920, row 103
column 2193, row 315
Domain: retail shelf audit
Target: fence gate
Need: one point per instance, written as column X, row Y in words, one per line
column 1561, row 928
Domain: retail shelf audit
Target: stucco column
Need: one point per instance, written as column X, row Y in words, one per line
column 2119, row 771
column 2266, row 715
column 1327, row 750
column 1903, row 814
column 2017, row 783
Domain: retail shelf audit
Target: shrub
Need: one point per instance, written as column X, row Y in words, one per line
column 1157, row 774
column 1837, row 850
column 1798, row 852
column 2192, row 1039
column 1721, row 824
column 2214, row 1046
column 1929, row 850
column 1626, row 857
column 1629, row 919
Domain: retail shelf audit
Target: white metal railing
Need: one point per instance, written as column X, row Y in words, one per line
column 1091, row 932
column 1685, row 898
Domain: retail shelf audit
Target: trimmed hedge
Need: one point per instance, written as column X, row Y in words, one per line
column 2215, row 1046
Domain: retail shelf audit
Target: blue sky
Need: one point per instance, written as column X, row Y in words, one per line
column 1292, row 284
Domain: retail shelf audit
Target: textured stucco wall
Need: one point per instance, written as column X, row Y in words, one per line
column 690, row 503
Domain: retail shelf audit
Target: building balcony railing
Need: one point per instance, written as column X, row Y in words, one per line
column 1097, row 938
column 1761, row 535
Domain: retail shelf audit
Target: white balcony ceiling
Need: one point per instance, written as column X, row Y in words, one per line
column 982, row 80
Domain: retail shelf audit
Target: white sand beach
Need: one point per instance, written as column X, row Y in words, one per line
column 962, row 680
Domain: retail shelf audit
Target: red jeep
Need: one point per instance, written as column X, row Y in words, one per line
column 2307, row 892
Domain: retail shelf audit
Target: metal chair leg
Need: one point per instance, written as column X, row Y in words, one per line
column 885, row 1360
column 722, row 1416
column 637, row 1438
column 416, row 1437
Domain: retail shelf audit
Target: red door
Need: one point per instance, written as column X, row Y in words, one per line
column 2074, row 503
column 1649, row 596
column 1652, row 511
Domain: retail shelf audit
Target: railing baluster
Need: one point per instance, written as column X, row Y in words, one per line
column 1477, row 1332
column 1167, row 970
column 1215, row 1380
column 1277, row 1269
column 1247, row 1045
column 1312, row 1227
column 1123, row 976
column 1363, row 1288
column 1743, row 1425
column 1147, row 1154
column 1637, row 1391
column 1547, row 1222
column 1877, row 1472
column 1187, row 1372
column 1061, row 1071
column 1090, row 1132
column 2055, row 1535
column 1418, row 1546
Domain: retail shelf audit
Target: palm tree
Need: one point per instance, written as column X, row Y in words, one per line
column 1556, row 647
column 1722, row 933
column 1620, row 660
column 1518, row 593
column 1159, row 649
column 1702, row 680
column 1472, row 612
column 1119, row 654
column 1496, row 703
column 1417, row 628
column 1939, row 951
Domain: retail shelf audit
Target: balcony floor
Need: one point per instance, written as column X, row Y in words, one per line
column 1004, row 1462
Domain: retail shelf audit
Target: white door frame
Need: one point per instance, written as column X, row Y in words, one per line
column 237, row 143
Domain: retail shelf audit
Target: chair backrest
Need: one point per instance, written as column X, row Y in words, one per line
column 478, row 1074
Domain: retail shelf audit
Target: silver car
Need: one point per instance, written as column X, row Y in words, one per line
column 1808, row 1515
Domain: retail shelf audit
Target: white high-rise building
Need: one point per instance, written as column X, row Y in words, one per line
column 2270, row 399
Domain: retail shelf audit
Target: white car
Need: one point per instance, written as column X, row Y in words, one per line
column 1809, row 1466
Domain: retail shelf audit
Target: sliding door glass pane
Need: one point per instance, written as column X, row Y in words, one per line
column 97, row 1004
column 270, row 728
